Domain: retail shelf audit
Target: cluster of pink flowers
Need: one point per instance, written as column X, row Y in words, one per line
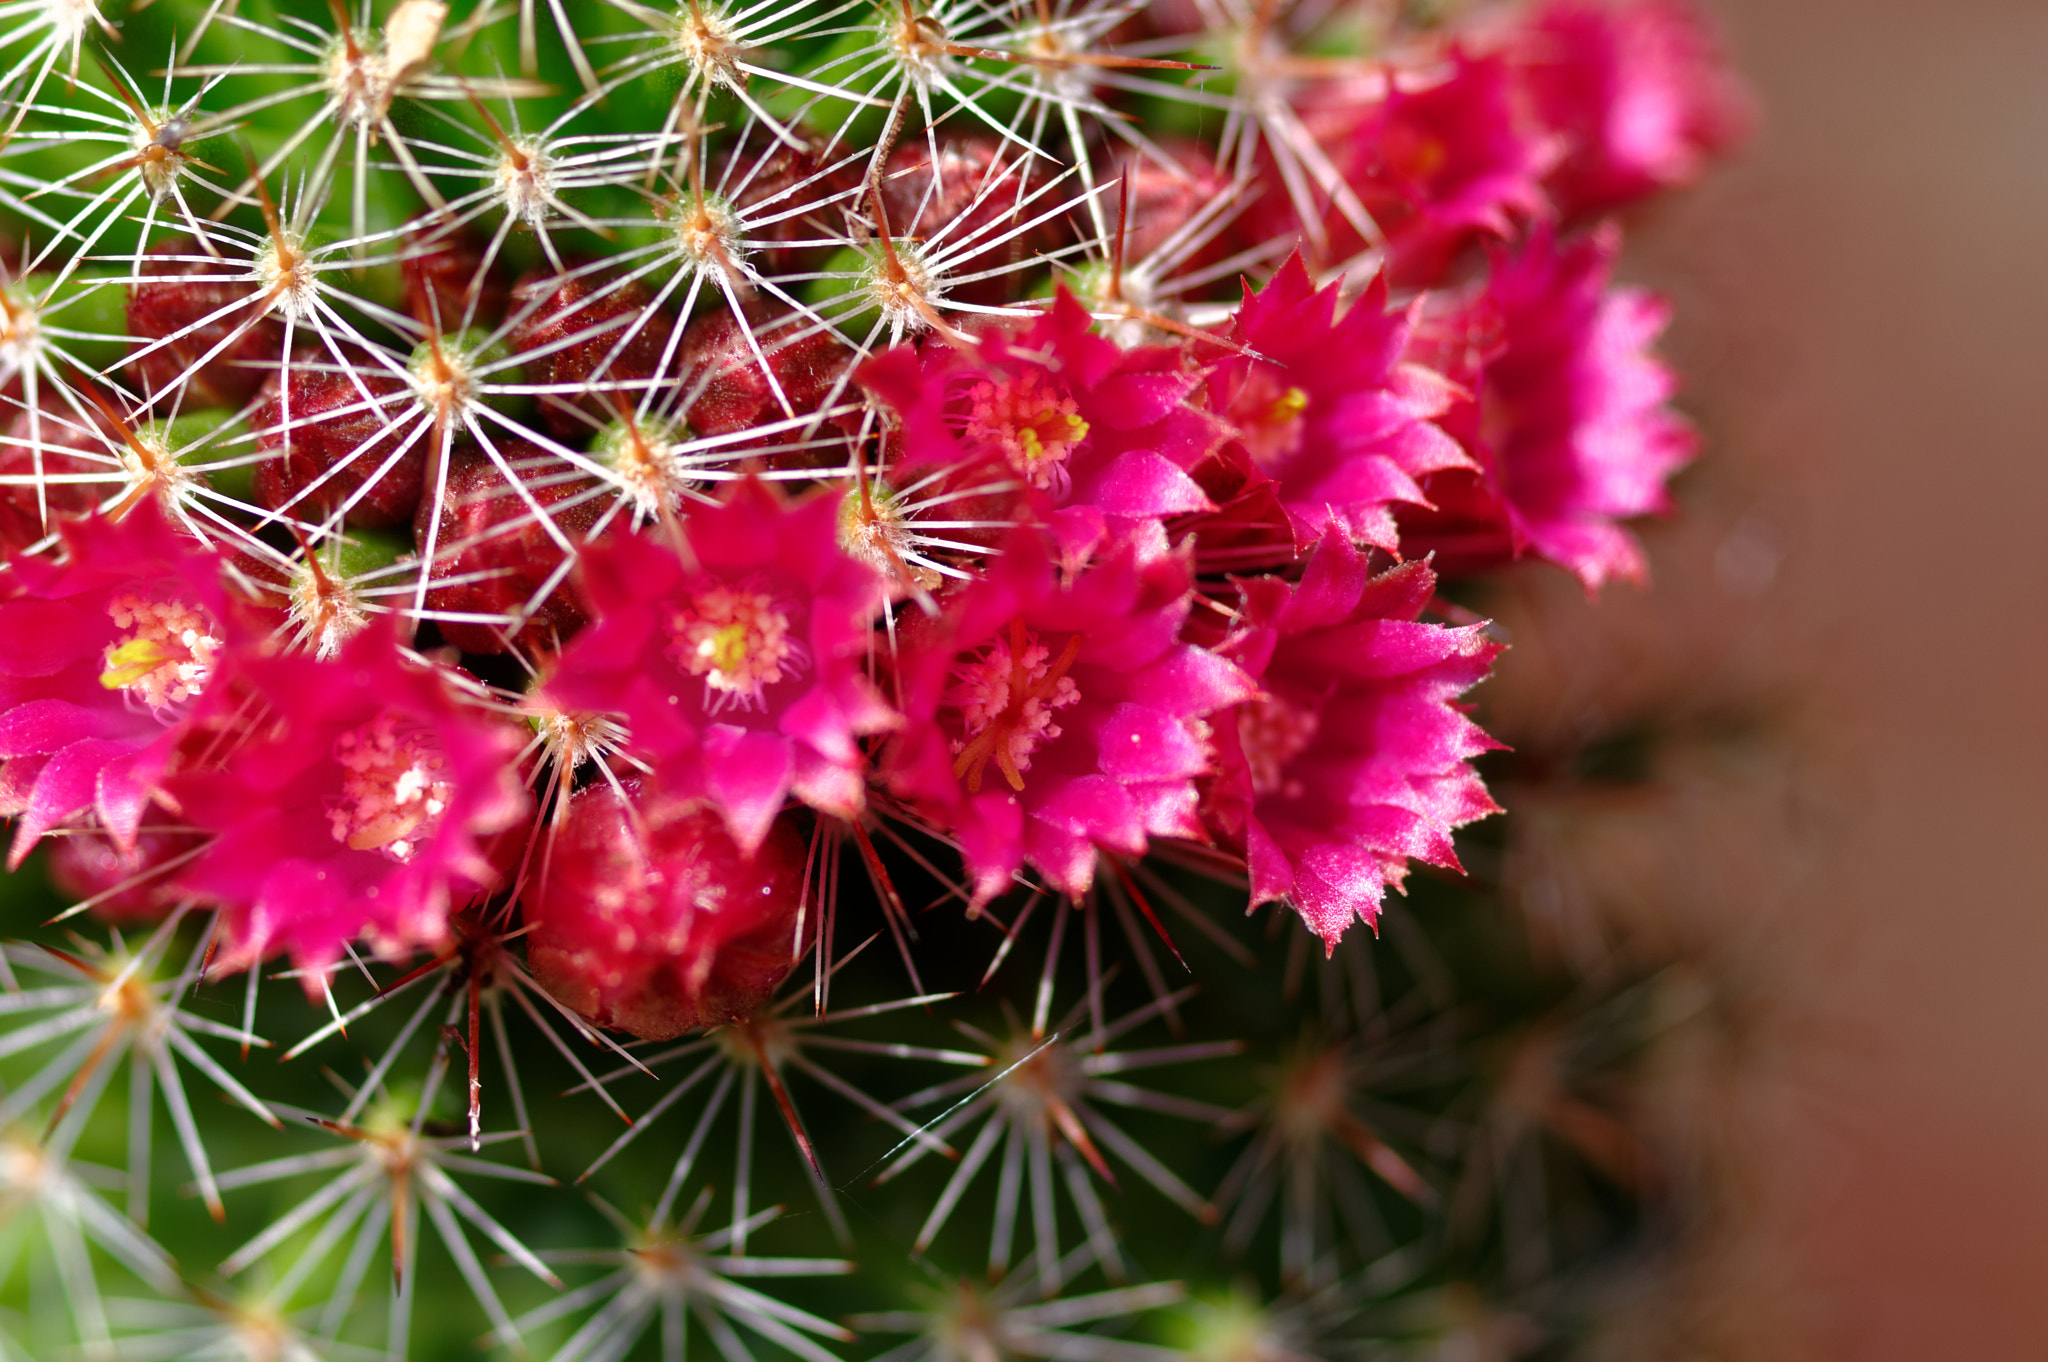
column 1049, row 589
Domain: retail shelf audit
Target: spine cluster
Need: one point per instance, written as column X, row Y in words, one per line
column 557, row 526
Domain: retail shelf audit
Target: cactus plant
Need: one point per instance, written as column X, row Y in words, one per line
column 584, row 581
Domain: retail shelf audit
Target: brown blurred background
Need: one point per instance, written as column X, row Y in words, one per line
column 1859, row 594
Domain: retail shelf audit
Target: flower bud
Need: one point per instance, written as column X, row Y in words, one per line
column 493, row 543
column 585, row 332
column 439, row 270
column 332, row 427
column 183, row 294
column 651, row 921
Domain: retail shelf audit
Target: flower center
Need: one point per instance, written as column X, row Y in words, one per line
column 1268, row 417
column 391, row 795
column 738, row 640
column 1414, row 154
column 1272, row 733
column 1035, row 427
column 1006, row 698
column 168, row 653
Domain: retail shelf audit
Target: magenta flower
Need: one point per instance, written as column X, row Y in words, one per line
column 1436, row 164
column 739, row 670
column 1087, row 429
column 102, row 658
column 649, row 919
column 1639, row 93
column 1329, row 413
column 1053, row 713
column 350, row 802
column 1570, row 430
column 1354, row 759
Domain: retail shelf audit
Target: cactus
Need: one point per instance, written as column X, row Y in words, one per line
column 585, row 581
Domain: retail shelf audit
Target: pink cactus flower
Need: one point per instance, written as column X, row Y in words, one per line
column 1437, row 158
column 1354, row 759
column 102, row 659
column 738, row 665
column 352, row 802
column 1639, row 93
column 1328, row 411
column 1087, row 430
column 1052, row 714
column 1569, row 425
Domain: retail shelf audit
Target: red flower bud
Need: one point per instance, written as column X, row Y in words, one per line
column 64, row 439
column 185, row 289
column 614, row 338
column 439, row 268
column 491, row 538
column 657, row 924
column 726, row 388
column 332, row 427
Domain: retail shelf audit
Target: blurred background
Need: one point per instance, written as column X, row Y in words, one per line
column 1859, row 593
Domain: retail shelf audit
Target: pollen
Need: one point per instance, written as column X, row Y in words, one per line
column 1273, row 733
column 737, row 639
column 392, row 795
column 1006, row 698
column 168, row 654
column 1034, row 426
